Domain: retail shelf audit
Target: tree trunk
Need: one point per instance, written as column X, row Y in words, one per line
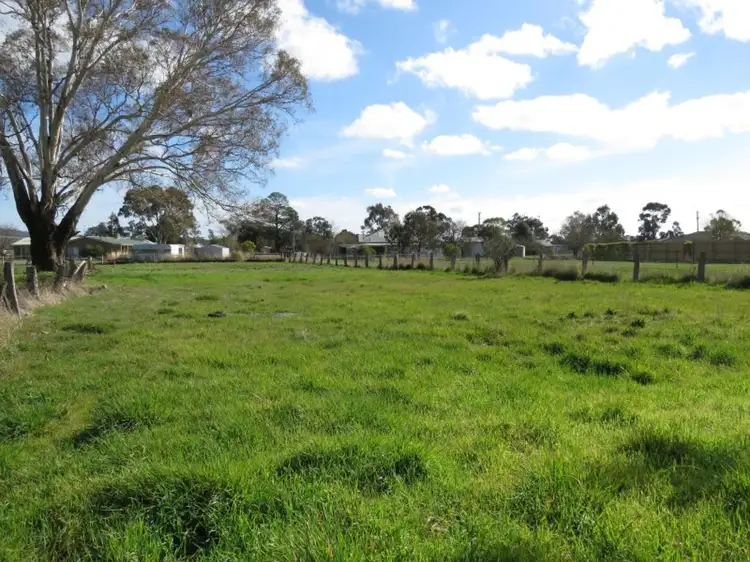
column 48, row 244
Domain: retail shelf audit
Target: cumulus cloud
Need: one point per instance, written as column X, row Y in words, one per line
column 395, row 154
column 560, row 152
column 530, row 40
column 326, row 54
column 679, row 60
column 288, row 163
column 475, row 71
column 383, row 192
column 730, row 17
column 638, row 125
column 614, row 27
column 354, row 6
column 442, row 188
column 396, row 121
column 440, row 30
column 456, row 145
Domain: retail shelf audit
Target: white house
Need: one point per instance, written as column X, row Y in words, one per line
column 156, row 252
column 212, row 251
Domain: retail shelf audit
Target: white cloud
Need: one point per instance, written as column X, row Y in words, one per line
column 475, row 71
column 440, row 30
column 384, row 192
column 442, row 188
column 455, row 145
column 354, row 6
column 639, row 125
column 325, row 53
column 395, row 154
column 530, row 40
column 523, row 155
column 288, row 163
column 679, row 60
column 614, row 27
column 560, row 152
column 396, row 121
column 730, row 17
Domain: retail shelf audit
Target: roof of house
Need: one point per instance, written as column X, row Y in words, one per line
column 703, row 236
column 219, row 246
column 100, row 239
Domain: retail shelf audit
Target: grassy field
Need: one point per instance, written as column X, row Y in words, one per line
column 331, row 414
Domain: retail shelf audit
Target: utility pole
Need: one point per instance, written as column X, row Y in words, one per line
column 697, row 221
column 479, row 218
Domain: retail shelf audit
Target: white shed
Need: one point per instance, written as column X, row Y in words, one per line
column 213, row 251
column 157, row 252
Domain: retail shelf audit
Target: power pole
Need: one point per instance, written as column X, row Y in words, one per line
column 697, row 221
column 479, row 219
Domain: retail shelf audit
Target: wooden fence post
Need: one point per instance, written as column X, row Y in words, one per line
column 356, row 260
column 9, row 289
column 80, row 272
column 413, row 259
column 307, row 257
column 59, row 283
column 432, row 260
column 32, row 281
column 336, row 260
column 477, row 259
column 636, row 266
column 540, row 267
column 395, row 261
column 701, row 277
column 329, row 260
column 380, row 261
column 367, row 260
column 346, row 260
column 453, row 262
column 584, row 264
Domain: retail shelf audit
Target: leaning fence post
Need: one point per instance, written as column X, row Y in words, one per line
column 636, row 266
column 80, row 273
column 11, row 295
column 701, row 277
column 432, row 260
column 584, row 264
column 32, row 281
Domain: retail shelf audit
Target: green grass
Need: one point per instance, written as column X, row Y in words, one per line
column 335, row 414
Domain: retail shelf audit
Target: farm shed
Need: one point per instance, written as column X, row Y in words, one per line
column 157, row 252
column 212, row 251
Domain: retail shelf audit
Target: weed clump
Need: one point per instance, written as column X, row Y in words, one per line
column 115, row 417
column 602, row 277
column 584, row 364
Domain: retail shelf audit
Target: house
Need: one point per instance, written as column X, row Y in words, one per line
column 474, row 246
column 155, row 252
column 376, row 240
column 212, row 251
column 102, row 246
column 85, row 246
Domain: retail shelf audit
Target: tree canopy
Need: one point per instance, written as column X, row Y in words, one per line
column 653, row 217
column 722, row 225
column 192, row 94
column 379, row 217
column 164, row 216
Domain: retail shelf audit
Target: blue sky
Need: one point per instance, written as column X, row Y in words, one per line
column 541, row 107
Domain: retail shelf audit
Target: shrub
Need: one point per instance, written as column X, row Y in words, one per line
column 602, row 277
column 467, row 269
column 367, row 250
column 566, row 275
column 248, row 247
column 615, row 251
column 421, row 266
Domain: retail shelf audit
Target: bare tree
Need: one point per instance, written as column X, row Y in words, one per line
column 137, row 92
